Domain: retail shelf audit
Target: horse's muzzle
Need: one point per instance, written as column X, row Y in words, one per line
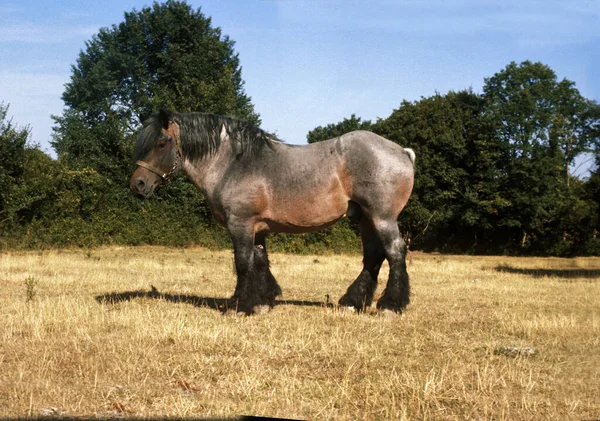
column 141, row 188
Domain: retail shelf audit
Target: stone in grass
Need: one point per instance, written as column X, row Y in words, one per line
column 514, row 351
column 51, row 412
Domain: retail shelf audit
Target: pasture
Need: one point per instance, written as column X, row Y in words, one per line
column 84, row 334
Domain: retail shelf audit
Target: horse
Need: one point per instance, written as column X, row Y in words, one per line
column 256, row 184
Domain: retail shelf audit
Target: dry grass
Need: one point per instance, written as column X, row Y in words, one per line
column 63, row 353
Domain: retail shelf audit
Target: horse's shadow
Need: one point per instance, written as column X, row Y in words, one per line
column 566, row 274
column 219, row 304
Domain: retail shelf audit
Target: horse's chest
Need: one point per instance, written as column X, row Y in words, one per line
column 218, row 211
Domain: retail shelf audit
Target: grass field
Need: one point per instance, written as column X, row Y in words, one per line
column 484, row 338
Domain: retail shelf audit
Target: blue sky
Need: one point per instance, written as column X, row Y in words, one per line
column 313, row 62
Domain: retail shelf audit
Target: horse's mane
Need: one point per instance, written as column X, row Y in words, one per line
column 201, row 135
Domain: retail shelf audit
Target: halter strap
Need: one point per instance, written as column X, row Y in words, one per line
column 155, row 170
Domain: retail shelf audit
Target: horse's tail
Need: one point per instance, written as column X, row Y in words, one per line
column 411, row 155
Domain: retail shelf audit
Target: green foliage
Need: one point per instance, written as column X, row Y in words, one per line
column 30, row 292
column 543, row 125
column 533, row 110
column 26, row 176
column 12, row 152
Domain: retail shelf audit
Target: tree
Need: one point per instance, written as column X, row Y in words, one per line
column 534, row 112
column 26, row 176
column 454, row 200
column 333, row 130
column 543, row 125
column 12, row 157
column 167, row 55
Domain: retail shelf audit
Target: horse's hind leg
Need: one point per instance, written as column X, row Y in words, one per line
column 268, row 286
column 397, row 292
column 360, row 294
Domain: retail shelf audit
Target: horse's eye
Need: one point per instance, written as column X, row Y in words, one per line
column 163, row 141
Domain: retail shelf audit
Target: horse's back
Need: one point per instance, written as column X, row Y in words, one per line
column 361, row 141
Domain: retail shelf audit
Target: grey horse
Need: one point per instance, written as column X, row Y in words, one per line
column 255, row 184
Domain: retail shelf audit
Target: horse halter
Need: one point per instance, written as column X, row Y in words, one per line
column 172, row 131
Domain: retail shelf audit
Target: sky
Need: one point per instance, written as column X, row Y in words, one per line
column 309, row 63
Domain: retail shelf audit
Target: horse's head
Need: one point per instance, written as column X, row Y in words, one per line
column 158, row 154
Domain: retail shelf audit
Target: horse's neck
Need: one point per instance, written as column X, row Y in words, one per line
column 207, row 172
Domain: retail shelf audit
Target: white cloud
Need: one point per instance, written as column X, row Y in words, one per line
column 44, row 34
column 19, row 85
column 32, row 99
column 10, row 9
column 536, row 22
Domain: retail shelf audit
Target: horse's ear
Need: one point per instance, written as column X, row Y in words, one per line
column 165, row 117
column 143, row 117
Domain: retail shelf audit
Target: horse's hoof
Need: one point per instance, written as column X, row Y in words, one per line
column 397, row 306
column 261, row 309
column 236, row 310
column 348, row 309
column 388, row 314
column 233, row 313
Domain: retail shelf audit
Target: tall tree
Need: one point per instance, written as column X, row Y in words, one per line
column 167, row 55
column 543, row 125
column 454, row 200
column 534, row 111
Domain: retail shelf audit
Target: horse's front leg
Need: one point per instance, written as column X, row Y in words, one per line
column 251, row 279
column 268, row 288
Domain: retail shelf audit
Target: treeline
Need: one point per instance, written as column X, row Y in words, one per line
column 493, row 169
column 46, row 203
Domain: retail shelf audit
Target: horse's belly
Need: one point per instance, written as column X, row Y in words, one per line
column 305, row 214
column 300, row 227
column 308, row 199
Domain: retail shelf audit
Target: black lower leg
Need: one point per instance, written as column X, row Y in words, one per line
column 360, row 294
column 246, row 296
column 268, row 288
column 397, row 292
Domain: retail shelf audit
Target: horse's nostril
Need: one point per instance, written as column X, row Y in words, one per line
column 137, row 185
